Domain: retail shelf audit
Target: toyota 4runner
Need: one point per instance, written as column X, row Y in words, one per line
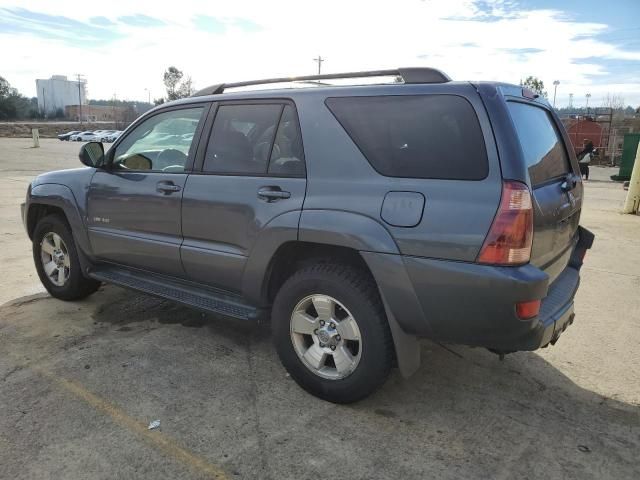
column 358, row 218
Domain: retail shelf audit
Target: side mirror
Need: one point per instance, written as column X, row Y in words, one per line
column 92, row 154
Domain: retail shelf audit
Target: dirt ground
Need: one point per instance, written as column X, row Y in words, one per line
column 80, row 382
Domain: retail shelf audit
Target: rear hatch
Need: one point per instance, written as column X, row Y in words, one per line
column 556, row 207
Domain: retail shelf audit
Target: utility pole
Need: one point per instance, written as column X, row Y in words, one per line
column 79, row 96
column 555, row 89
column 319, row 59
column 113, row 105
column 148, row 93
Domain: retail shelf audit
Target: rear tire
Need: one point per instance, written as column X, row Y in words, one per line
column 318, row 358
column 56, row 260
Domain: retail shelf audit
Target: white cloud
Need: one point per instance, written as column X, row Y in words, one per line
column 352, row 35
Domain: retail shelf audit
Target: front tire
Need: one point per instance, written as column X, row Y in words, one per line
column 331, row 332
column 56, row 260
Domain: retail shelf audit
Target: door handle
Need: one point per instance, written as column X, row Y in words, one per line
column 271, row 194
column 167, row 187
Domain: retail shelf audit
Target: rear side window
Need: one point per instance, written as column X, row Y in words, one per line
column 255, row 139
column 242, row 138
column 415, row 136
column 541, row 143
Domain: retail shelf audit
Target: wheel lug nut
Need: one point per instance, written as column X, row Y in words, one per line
column 338, row 337
column 315, row 331
column 333, row 325
column 322, row 323
column 333, row 347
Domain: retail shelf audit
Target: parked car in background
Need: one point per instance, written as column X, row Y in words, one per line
column 102, row 135
column 112, row 137
column 65, row 136
column 358, row 218
column 88, row 136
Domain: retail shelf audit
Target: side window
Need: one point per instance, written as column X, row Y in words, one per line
column 242, row 138
column 161, row 143
column 287, row 156
column 415, row 136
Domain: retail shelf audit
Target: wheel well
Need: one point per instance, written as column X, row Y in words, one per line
column 39, row 211
column 292, row 256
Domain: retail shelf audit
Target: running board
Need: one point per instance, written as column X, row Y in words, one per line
column 208, row 300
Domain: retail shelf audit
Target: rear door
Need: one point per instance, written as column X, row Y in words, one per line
column 556, row 208
column 252, row 171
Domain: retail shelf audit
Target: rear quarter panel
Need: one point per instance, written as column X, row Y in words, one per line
column 457, row 214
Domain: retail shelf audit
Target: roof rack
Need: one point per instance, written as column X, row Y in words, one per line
column 409, row 75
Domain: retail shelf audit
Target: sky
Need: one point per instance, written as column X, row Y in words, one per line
column 123, row 47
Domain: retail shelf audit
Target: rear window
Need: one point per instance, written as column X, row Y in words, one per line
column 541, row 143
column 415, row 136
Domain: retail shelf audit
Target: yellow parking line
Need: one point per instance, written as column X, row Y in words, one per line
column 156, row 438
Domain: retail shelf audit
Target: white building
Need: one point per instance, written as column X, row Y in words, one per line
column 57, row 92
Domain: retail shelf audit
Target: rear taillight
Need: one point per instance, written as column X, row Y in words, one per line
column 509, row 239
column 528, row 310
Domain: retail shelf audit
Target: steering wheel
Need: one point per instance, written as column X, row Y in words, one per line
column 173, row 156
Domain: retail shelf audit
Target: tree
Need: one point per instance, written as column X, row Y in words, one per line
column 13, row 105
column 5, row 88
column 176, row 87
column 171, row 78
column 616, row 104
column 535, row 85
column 185, row 89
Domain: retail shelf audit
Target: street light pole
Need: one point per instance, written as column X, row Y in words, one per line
column 555, row 89
column 149, row 94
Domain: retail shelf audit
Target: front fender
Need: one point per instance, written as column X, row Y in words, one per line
column 62, row 197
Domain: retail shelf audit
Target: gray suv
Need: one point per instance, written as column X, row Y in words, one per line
column 357, row 218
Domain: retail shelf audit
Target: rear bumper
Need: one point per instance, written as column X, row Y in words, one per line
column 474, row 304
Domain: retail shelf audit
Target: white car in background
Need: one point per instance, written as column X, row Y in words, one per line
column 112, row 137
column 87, row 136
column 102, row 135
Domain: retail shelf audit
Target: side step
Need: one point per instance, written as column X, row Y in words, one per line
column 187, row 293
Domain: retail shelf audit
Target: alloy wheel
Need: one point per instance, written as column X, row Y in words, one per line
column 326, row 337
column 55, row 259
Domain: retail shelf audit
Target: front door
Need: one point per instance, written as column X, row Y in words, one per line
column 253, row 171
column 134, row 203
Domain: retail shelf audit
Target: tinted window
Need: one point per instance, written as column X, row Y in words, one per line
column 160, row 143
column 541, row 143
column 242, row 138
column 287, row 156
column 426, row 136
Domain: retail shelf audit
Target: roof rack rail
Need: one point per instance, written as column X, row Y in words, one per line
column 409, row 75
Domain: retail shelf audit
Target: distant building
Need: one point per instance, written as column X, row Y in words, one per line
column 586, row 128
column 98, row 113
column 57, row 92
